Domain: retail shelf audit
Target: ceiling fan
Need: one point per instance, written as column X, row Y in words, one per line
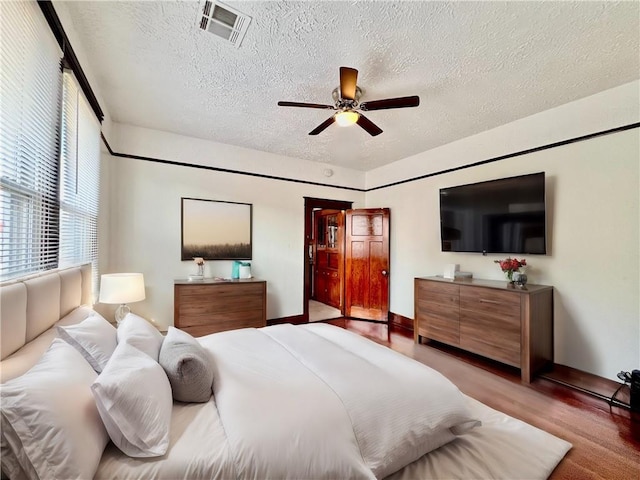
column 346, row 99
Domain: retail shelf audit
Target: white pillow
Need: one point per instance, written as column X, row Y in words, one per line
column 94, row 338
column 137, row 332
column 50, row 420
column 133, row 397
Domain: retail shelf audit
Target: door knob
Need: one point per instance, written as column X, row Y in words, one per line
column 384, row 273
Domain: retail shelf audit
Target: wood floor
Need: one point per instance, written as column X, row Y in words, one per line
column 606, row 440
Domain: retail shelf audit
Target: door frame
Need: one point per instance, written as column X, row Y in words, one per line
column 310, row 204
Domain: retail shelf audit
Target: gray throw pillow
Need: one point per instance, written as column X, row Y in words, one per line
column 188, row 367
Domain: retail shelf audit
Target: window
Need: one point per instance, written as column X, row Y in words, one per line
column 79, row 178
column 49, row 152
column 31, row 86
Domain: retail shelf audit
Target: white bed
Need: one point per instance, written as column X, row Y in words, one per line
column 285, row 406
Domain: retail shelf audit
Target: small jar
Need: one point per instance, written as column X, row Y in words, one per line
column 520, row 279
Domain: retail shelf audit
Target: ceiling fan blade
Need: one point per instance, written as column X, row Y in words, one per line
column 322, row 126
column 400, row 102
column 371, row 128
column 307, row 105
column 348, row 79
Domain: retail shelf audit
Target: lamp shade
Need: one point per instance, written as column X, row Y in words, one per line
column 121, row 288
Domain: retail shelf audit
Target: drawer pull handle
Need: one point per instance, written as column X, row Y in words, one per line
column 484, row 300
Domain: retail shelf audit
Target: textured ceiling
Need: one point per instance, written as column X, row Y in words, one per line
column 475, row 66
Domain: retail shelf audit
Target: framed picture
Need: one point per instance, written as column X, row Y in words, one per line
column 215, row 230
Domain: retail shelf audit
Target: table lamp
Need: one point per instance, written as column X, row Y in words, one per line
column 121, row 288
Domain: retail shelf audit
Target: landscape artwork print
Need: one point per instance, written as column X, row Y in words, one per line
column 216, row 230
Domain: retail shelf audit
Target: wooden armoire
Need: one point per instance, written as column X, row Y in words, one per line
column 329, row 257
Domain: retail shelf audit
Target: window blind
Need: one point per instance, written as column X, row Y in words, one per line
column 30, row 98
column 79, row 178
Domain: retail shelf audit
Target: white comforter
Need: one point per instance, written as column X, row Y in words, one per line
column 311, row 401
column 320, row 402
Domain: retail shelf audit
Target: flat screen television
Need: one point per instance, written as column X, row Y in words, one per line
column 497, row 216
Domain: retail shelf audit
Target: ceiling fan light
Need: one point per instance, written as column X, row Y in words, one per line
column 346, row 118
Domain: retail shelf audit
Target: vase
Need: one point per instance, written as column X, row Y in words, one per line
column 520, row 279
column 509, row 275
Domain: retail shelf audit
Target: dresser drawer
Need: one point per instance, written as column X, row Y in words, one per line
column 426, row 289
column 224, row 321
column 224, row 290
column 490, row 323
column 198, row 307
column 206, row 329
column 204, row 308
column 493, row 336
column 437, row 307
column 491, row 301
column 444, row 330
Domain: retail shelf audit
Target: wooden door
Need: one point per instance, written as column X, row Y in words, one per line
column 367, row 263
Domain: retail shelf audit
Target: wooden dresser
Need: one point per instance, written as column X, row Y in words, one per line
column 489, row 318
column 209, row 306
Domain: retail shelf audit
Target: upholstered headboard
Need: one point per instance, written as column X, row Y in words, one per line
column 29, row 308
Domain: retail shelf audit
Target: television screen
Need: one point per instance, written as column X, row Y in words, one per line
column 498, row 216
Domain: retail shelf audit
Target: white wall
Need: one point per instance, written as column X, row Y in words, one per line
column 145, row 142
column 593, row 226
column 144, row 228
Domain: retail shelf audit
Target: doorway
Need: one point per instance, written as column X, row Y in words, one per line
column 346, row 264
column 327, row 263
column 312, row 205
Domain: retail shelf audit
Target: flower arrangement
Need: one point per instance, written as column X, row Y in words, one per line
column 510, row 265
column 200, row 263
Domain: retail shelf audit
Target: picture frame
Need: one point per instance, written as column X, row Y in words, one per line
column 215, row 229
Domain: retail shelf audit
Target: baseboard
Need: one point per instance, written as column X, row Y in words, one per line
column 400, row 321
column 615, row 393
column 295, row 319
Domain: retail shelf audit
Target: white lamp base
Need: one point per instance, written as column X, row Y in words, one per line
column 121, row 312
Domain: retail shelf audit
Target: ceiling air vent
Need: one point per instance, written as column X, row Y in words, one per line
column 224, row 21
